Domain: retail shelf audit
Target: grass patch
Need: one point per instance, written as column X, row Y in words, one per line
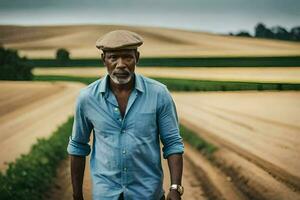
column 85, row 80
column 31, row 175
column 196, row 141
column 190, row 85
column 280, row 61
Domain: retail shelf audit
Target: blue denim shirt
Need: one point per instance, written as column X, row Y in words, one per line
column 125, row 156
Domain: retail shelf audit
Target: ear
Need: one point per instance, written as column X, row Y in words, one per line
column 137, row 56
column 103, row 58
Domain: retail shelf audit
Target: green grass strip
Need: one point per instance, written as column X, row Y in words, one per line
column 174, row 84
column 258, row 61
column 31, row 175
column 84, row 80
column 196, row 141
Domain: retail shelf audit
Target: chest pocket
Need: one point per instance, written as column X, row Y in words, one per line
column 145, row 124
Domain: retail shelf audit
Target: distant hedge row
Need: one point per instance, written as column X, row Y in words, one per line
column 206, row 85
column 275, row 32
column 12, row 67
column 190, row 85
column 31, row 175
column 285, row 61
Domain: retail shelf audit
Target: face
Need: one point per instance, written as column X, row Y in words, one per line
column 120, row 64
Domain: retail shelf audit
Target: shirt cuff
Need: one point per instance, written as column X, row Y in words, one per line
column 77, row 148
column 178, row 149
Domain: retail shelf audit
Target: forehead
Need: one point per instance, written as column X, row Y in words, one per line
column 120, row 52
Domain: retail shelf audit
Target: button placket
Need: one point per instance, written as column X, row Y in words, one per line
column 117, row 114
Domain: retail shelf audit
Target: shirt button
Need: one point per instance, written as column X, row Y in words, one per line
column 125, row 169
column 116, row 109
column 124, row 151
column 123, row 131
column 120, row 119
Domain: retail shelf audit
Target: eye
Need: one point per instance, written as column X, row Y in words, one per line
column 128, row 57
column 113, row 57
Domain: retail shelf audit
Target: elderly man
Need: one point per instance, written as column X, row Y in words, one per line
column 128, row 115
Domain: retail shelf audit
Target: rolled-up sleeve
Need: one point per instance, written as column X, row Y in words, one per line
column 168, row 125
column 82, row 127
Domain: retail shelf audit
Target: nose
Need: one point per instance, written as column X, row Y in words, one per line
column 120, row 63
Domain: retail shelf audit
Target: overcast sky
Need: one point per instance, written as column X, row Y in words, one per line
column 221, row 16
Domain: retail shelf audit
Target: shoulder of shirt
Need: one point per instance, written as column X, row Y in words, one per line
column 158, row 86
column 90, row 89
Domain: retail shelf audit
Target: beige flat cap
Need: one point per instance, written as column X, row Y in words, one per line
column 119, row 39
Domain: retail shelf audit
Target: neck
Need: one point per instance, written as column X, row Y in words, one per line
column 120, row 88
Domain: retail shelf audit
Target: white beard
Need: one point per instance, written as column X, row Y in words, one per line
column 121, row 81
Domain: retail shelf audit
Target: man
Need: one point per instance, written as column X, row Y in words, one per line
column 128, row 115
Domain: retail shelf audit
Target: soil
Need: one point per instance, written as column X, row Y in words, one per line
column 31, row 110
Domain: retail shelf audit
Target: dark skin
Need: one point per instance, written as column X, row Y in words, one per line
column 121, row 60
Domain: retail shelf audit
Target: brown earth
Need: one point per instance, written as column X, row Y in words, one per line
column 31, row 110
column 260, row 126
column 63, row 189
column 251, row 74
column 43, row 41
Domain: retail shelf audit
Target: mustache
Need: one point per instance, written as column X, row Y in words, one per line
column 126, row 72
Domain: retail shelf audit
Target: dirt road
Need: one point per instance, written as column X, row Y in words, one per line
column 63, row 189
column 31, row 110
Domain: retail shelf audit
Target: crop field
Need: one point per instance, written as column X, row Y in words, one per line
column 245, row 74
column 43, row 41
column 237, row 123
column 262, row 127
column 29, row 111
column 239, row 145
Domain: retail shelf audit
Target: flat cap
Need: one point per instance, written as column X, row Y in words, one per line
column 119, row 39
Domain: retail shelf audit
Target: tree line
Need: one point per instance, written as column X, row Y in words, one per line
column 14, row 67
column 275, row 32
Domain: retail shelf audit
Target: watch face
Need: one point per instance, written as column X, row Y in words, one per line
column 178, row 188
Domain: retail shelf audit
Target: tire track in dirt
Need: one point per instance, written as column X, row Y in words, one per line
column 269, row 146
column 260, row 157
column 250, row 179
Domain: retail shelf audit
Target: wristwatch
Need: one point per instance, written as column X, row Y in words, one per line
column 178, row 188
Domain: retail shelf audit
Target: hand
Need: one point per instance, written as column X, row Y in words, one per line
column 173, row 195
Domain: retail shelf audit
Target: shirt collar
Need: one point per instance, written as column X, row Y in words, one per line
column 138, row 83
